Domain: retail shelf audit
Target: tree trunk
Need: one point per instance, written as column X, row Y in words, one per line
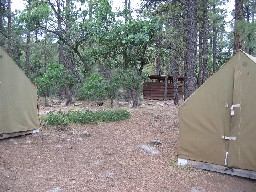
column 175, row 74
column 214, row 43
column 9, row 28
column 249, row 47
column 200, row 57
column 69, row 95
column 135, row 90
column 175, row 58
column 63, row 90
column 135, row 98
column 2, row 12
column 138, row 72
column 27, row 63
column 191, row 48
column 2, row 17
column 68, row 57
column 16, row 53
column 46, row 103
column 238, row 44
column 166, row 82
column 90, row 9
column 27, row 52
column 127, row 6
column 158, row 59
column 205, row 42
column 59, row 21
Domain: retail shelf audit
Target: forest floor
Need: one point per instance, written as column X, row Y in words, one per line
column 108, row 157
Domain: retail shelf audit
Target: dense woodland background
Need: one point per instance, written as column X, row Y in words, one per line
column 83, row 49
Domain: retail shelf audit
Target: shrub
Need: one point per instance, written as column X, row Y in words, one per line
column 95, row 88
column 58, row 118
column 86, row 117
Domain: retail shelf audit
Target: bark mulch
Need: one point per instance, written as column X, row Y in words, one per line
column 139, row 154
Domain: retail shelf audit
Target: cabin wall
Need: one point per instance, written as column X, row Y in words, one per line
column 155, row 90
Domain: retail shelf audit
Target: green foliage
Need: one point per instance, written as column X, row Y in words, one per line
column 86, row 117
column 95, row 87
column 54, row 77
column 98, row 88
column 96, row 38
column 114, row 83
column 139, row 32
column 247, row 33
column 58, row 118
column 34, row 14
column 42, row 54
column 131, row 80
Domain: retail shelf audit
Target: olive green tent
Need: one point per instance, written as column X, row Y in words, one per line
column 18, row 99
column 218, row 121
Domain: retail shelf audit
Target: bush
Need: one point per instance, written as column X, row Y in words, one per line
column 85, row 117
column 58, row 118
column 95, row 88
column 54, row 78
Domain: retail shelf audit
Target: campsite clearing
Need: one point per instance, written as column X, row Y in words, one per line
column 139, row 154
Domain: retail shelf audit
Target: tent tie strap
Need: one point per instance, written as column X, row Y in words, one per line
column 226, row 158
column 228, row 138
column 232, row 109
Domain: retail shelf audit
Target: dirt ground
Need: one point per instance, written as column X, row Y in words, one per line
column 108, row 157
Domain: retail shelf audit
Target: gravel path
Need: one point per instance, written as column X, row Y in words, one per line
column 135, row 155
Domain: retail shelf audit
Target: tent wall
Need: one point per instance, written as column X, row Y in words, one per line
column 242, row 151
column 18, row 98
column 205, row 117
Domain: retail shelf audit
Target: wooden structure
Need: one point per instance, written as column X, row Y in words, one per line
column 155, row 89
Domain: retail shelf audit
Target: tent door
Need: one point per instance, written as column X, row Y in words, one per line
column 232, row 156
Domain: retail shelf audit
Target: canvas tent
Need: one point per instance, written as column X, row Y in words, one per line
column 18, row 99
column 218, row 121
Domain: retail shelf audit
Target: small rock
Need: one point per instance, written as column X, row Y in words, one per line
column 72, row 181
column 14, row 142
column 108, row 175
column 86, row 134
column 35, row 131
column 28, row 141
column 72, row 132
column 149, row 150
column 155, row 142
column 7, row 151
column 100, row 103
column 197, row 190
column 77, row 104
column 59, row 146
column 57, row 189
column 96, row 163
